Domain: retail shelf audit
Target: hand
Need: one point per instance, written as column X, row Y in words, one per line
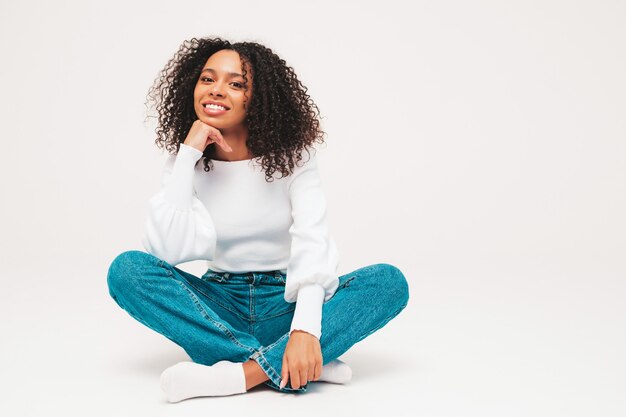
column 201, row 135
column 302, row 361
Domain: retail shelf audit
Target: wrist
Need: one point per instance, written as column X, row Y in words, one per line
column 298, row 331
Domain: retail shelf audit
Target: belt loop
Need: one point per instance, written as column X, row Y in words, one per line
column 279, row 276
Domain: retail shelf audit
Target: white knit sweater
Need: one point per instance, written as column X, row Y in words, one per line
column 236, row 221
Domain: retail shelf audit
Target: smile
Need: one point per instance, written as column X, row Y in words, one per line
column 214, row 107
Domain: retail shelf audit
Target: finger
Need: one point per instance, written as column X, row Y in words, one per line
column 212, row 136
column 310, row 374
column 284, row 373
column 216, row 135
column 295, row 378
column 304, row 376
column 317, row 373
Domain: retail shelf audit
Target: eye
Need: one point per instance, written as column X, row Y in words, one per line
column 238, row 85
column 205, row 79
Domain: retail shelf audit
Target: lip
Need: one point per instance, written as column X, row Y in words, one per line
column 213, row 112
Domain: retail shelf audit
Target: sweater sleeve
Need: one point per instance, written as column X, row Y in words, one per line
column 312, row 269
column 178, row 227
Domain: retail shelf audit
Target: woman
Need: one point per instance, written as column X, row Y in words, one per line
column 241, row 110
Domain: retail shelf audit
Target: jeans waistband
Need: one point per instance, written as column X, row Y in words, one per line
column 250, row 278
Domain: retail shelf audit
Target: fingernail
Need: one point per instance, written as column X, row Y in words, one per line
column 282, row 383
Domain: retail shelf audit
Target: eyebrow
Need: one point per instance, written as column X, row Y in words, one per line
column 232, row 74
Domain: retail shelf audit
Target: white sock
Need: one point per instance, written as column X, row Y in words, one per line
column 189, row 379
column 336, row 371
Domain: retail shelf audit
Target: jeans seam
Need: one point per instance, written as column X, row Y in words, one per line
column 219, row 325
column 216, row 301
column 270, row 346
column 251, row 310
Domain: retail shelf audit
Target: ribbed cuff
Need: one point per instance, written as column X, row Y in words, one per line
column 308, row 313
column 179, row 189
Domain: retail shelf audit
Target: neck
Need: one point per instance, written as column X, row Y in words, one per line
column 237, row 139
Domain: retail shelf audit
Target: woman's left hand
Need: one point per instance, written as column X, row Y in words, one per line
column 302, row 361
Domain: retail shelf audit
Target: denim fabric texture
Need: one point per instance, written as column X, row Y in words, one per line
column 242, row 316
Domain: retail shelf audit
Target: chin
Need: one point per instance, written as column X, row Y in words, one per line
column 215, row 122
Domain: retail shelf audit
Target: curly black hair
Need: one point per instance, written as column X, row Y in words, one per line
column 282, row 119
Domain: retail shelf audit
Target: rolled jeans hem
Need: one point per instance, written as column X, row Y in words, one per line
column 274, row 377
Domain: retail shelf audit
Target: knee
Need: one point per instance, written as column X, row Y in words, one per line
column 394, row 284
column 124, row 269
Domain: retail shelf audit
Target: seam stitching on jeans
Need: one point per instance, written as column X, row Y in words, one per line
column 251, row 299
column 262, row 357
column 218, row 302
column 223, row 328
column 229, row 308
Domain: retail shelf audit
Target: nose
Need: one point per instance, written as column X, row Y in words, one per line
column 216, row 90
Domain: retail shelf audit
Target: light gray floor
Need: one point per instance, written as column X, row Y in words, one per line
column 488, row 345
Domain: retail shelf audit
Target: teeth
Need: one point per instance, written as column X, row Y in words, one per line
column 215, row 106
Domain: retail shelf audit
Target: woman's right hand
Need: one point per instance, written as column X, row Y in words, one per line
column 202, row 135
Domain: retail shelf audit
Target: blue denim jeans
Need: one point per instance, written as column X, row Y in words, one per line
column 237, row 317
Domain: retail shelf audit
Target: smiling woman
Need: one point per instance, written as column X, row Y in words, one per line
column 271, row 307
column 269, row 117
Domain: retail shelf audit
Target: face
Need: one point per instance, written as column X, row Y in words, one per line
column 222, row 84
